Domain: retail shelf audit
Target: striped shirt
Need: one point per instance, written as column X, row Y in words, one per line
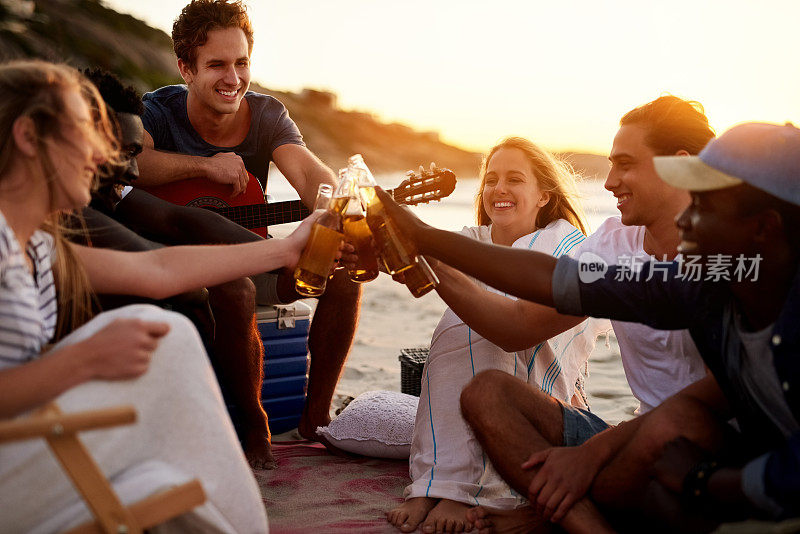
column 28, row 306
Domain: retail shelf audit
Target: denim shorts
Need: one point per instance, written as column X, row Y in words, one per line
column 580, row 425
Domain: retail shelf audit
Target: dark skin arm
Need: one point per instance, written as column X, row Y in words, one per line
column 105, row 232
column 178, row 225
column 496, row 265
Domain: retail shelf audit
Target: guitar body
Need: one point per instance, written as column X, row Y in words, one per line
column 247, row 209
column 202, row 193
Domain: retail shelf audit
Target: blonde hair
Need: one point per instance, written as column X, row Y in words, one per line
column 35, row 90
column 553, row 176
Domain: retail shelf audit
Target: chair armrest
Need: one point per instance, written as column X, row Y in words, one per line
column 58, row 424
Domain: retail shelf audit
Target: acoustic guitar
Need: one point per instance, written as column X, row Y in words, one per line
column 250, row 209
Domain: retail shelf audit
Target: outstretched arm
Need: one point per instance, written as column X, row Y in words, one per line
column 104, row 232
column 167, row 271
column 660, row 298
column 523, row 273
column 510, row 324
column 171, row 224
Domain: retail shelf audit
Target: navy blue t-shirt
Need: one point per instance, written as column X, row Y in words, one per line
column 166, row 120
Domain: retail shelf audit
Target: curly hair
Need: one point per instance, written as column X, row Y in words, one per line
column 191, row 28
column 120, row 98
column 672, row 124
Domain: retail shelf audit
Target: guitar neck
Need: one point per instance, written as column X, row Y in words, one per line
column 266, row 215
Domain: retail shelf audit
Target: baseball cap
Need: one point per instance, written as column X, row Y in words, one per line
column 766, row 156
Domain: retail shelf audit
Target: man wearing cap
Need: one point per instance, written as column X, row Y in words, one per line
column 745, row 191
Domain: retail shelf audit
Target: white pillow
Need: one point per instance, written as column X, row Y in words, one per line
column 376, row 423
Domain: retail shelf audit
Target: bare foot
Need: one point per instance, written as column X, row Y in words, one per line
column 258, row 451
column 410, row 514
column 448, row 516
column 516, row 521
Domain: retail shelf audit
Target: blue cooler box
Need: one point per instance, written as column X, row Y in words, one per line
column 284, row 332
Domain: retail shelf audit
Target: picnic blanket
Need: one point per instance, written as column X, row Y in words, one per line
column 315, row 491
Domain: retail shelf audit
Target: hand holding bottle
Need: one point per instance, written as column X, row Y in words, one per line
column 349, row 259
column 323, row 247
column 409, row 224
column 299, row 237
column 357, row 231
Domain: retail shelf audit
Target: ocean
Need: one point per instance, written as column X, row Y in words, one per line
column 392, row 319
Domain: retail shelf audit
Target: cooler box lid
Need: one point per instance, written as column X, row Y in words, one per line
column 298, row 310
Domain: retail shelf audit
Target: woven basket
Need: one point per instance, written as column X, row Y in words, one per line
column 411, row 362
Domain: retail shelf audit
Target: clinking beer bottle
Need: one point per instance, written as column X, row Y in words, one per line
column 420, row 278
column 396, row 253
column 316, row 261
column 357, row 231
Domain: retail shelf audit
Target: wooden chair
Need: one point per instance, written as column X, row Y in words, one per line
column 111, row 516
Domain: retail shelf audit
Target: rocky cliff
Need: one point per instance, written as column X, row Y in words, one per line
column 87, row 33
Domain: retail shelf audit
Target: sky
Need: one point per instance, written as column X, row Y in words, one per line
column 560, row 73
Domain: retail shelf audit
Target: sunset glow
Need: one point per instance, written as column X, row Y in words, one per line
column 561, row 74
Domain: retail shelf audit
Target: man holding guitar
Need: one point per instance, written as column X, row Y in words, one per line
column 214, row 129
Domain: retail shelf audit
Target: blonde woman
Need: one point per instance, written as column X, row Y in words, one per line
column 54, row 134
column 525, row 199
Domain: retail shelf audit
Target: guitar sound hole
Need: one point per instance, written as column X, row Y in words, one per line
column 207, row 202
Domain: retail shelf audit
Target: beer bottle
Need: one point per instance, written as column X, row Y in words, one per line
column 341, row 195
column 357, row 232
column 397, row 254
column 319, row 255
column 420, row 278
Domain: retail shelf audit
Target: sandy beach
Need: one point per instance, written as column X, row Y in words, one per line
column 392, row 319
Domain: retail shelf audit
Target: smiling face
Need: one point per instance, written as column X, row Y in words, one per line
column 642, row 198
column 75, row 153
column 221, row 74
column 511, row 194
column 705, row 225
